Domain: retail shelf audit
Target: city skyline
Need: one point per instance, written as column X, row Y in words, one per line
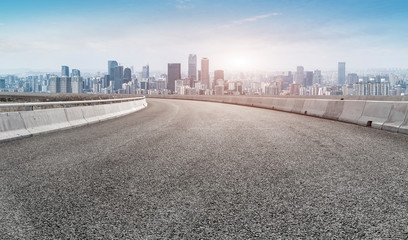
column 243, row 34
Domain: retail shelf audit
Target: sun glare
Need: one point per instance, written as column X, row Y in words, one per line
column 240, row 62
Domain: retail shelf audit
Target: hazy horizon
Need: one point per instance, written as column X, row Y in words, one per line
column 242, row 35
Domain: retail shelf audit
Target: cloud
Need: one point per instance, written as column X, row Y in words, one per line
column 250, row 19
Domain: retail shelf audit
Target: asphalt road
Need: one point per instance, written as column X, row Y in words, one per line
column 199, row 170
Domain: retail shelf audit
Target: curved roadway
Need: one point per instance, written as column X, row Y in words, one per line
column 191, row 170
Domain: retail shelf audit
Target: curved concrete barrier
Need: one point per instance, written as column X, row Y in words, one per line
column 12, row 126
column 44, row 121
column 384, row 114
column 397, row 117
column 375, row 114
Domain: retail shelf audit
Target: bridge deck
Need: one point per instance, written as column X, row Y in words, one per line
column 197, row 169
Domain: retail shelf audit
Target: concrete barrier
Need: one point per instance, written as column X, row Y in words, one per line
column 334, row 110
column 298, row 106
column 316, row 108
column 397, row 117
column 352, row 111
column 12, row 126
column 75, row 116
column 44, row 121
column 95, row 113
column 375, row 114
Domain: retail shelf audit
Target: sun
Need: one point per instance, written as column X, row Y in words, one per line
column 240, row 62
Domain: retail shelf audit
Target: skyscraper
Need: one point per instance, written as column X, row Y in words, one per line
column 118, row 77
column 145, row 72
column 173, row 74
column 64, row 71
column 342, row 73
column 111, row 69
column 66, row 86
column 300, row 75
column 127, row 75
column 205, row 72
column 75, row 73
column 192, row 69
column 308, row 79
column 317, row 77
column 218, row 74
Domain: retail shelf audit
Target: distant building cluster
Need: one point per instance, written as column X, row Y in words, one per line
column 200, row 80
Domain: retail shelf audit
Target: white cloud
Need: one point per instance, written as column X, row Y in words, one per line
column 250, row 19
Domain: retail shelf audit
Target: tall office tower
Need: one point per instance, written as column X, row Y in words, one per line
column 173, row 74
column 2, row 83
column 192, row 69
column 308, row 79
column 127, row 75
column 145, row 72
column 118, row 77
column 300, row 75
column 317, row 77
column 342, row 73
column 64, row 71
column 199, row 75
column 352, row 78
column 218, row 74
column 77, row 84
column 54, row 84
column 75, row 73
column 111, row 70
column 205, row 72
column 66, row 85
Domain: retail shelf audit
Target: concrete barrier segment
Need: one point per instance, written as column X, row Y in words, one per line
column 75, row 116
column 316, row 108
column 375, row 114
column 334, row 110
column 44, row 121
column 298, row 106
column 397, row 117
column 352, row 111
column 12, row 126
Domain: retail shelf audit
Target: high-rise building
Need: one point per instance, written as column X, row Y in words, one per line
column 66, row 86
column 218, row 74
column 64, row 71
column 75, row 73
column 342, row 73
column 111, row 69
column 77, row 84
column 205, row 72
column 352, row 78
column 192, row 69
column 127, row 75
column 300, row 75
column 173, row 74
column 118, row 77
column 308, row 79
column 145, row 71
column 2, row 83
column 317, row 77
column 55, row 84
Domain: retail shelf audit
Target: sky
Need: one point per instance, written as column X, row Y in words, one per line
column 236, row 35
